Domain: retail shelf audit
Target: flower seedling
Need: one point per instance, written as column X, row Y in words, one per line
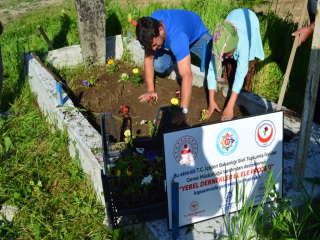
column 112, row 67
column 203, row 115
column 127, row 133
column 127, row 137
column 117, row 146
column 178, row 94
column 174, row 101
column 124, row 111
column 124, row 77
column 152, row 100
column 174, row 105
column 151, row 128
column 91, row 81
column 116, row 172
column 136, row 78
column 140, row 176
column 150, row 124
column 129, row 170
column 151, row 156
column 86, row 83
column 146, row 180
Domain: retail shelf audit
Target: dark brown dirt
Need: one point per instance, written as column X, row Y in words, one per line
column 108, row 95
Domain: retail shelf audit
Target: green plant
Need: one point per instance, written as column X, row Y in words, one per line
column 141, row 176
column 124, row 77
column 151, row 127
column 136, row 78
column 118, row 146
column 203, row 115
column 91, row 81
column 112, row 67
column 49, row 188
column 126, row 55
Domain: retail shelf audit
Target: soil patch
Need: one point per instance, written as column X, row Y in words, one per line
column 109, row 95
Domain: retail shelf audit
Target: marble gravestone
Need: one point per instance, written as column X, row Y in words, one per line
column 92, row 27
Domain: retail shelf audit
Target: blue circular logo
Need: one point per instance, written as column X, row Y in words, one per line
column 227, row 141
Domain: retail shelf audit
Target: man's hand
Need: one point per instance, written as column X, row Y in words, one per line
column 303, row 33
column 213, row 106
column 148, row 96
column 178, row 118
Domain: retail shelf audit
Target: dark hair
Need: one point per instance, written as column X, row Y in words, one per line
column 147, row 29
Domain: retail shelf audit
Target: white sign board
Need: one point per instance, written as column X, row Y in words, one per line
column 207, row 161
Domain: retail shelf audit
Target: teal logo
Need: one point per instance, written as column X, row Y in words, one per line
column 227, row 141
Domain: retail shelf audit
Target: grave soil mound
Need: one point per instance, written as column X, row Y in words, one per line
column 109, row 95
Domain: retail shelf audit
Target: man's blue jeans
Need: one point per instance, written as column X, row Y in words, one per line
column 165, row 62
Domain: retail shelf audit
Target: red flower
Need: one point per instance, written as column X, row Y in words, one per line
column 125, row 108
column 124, row 111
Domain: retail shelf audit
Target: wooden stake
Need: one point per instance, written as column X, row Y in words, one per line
column 45, row 37
column 293, row 52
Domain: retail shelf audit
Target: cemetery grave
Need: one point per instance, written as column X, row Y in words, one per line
column 125, row 103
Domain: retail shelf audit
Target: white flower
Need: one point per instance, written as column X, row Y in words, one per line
column 143, row 122
column 140, row 150
column 124, row 76
column 146, row 180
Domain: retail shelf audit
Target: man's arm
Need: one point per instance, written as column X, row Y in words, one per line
column 149, row 77
column 304, row 33
column 184, row 67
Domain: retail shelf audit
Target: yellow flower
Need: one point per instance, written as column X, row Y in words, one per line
column 127, row 133
column 129, row 170
column 174, row 101
column 116, row 172
column 204, row 111
column 110, row 61
column 135, row 70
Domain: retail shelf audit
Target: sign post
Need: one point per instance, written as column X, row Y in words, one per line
column 175, row 210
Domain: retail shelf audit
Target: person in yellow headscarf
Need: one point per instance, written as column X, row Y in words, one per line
column 237, row 37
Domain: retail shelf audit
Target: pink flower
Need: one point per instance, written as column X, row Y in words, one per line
column 178, row 94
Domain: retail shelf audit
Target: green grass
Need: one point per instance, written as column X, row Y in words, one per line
column 54, row 197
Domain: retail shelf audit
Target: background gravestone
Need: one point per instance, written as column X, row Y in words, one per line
column 92, row 27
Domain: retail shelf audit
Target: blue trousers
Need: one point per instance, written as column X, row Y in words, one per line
column 164, row 60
